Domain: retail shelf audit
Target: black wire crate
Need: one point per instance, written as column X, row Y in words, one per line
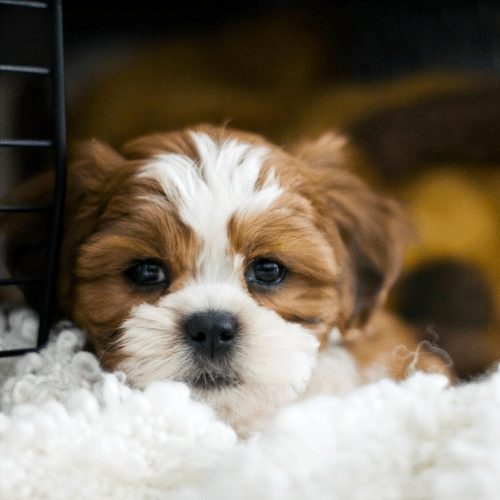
column 53, row 141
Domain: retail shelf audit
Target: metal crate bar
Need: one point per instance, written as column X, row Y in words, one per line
column 17, row 352
column 55, row 232
column 24, row 208
column 55, row 209
column 25, row 143
column 20, row 281
column 21, row 3
column 29, row 70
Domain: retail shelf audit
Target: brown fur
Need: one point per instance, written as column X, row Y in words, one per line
column 288, row 234
column 387, row 345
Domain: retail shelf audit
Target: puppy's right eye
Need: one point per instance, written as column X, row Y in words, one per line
column 147, row 273
column 265, row 272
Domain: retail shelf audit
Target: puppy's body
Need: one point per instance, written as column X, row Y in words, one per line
column 213, row 257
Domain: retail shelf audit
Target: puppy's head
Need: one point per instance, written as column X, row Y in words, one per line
column 213, row 257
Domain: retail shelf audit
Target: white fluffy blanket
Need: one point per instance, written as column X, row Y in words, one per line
column 70, row 431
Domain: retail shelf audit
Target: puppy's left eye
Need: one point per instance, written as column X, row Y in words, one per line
column 147, row 273
column 265, row 272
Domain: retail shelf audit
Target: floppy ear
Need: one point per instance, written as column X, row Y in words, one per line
column 91, row 173
column 372, row 228
column 26, row 233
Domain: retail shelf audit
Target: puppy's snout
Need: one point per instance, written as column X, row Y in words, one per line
column 211, row 333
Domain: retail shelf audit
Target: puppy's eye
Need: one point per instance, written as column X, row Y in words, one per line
column 265, row 272
column 147, row 273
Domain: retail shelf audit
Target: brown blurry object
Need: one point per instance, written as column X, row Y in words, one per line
column 351, row 105
column 454, row 216
column 452, row 305
column 24, row 237
column 459, row 126
column 257, row 75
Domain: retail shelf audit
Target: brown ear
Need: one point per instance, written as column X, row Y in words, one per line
column 372, row 229
column 90, row 176
column 26, row 234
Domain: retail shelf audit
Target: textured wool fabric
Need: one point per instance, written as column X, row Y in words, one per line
column 69, row 430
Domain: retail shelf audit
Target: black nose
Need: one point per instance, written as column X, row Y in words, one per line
column 211, row 333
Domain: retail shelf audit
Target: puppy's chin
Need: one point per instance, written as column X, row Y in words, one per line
column 212, row 381
column 271, row 365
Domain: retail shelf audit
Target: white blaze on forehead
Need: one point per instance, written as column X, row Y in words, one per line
column 209, row 192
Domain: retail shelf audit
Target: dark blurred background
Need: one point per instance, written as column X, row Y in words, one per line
column 415, row 85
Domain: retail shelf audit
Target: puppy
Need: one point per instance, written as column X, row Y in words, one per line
column 213, row 257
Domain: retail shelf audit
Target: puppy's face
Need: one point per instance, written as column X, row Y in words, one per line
column 215, row 258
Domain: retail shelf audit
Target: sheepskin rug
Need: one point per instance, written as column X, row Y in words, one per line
column 70, row 431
